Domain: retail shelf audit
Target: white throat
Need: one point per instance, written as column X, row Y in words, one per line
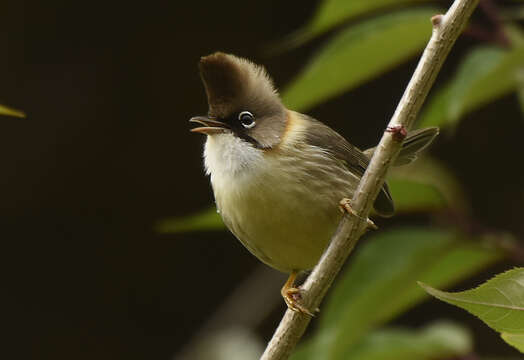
column 227, row 157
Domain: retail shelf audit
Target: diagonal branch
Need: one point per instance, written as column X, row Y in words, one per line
column 446, row 29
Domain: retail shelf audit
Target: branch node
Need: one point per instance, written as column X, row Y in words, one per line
column 436, row 20
column 398, row 132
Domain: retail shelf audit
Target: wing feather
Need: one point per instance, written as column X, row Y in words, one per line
column 352, row 157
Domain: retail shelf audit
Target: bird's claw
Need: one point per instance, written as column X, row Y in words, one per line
column 345, row 206
column 292, row 298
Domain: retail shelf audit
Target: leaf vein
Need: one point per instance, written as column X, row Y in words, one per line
column 503, row 306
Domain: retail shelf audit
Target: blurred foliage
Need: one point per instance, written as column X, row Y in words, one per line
column 361, row 49
column 499, row 302
column 426, row 184
column 7, row 111
column 387, row 266
column 520, row 89
column 415, row 196
column 333, row 12
column 202, row 221
column 229, row 344
column 439, row 340
column 486, row 74
column 370, row 37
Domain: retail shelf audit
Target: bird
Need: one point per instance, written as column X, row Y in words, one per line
column 278, row 176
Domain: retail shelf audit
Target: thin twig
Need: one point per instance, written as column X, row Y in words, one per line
column 446, row 29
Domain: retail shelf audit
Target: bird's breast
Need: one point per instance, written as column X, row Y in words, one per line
column 282, row 204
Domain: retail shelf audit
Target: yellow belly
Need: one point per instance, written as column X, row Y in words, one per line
column 284, row 213
column 283, row 229
column 281, row 204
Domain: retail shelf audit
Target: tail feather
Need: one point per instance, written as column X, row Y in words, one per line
column 414, row 143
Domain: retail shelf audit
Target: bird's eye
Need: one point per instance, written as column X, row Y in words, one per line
column 247, row 119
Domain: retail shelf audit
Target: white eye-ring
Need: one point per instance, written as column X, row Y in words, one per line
column 247, row 119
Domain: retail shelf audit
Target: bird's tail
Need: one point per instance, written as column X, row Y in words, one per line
column 414, row 143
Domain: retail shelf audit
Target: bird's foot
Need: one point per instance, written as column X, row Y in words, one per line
column 292, row 296
column 345, row 206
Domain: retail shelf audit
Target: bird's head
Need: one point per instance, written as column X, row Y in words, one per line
column 242, row 101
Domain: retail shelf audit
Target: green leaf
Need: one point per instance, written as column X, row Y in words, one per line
column 486, row 74
column 387, row 266
column 426, row 184
column 333, row 12
column 437, row 341
column 202, row 221
column 359, row 54
column 499, row 302
column 415, row 196
column 4, row 110
column 515, row 340
column 310, row 348
column 440, row 340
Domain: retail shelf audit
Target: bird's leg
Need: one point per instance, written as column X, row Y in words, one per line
column 292, row 297
column 345, row 206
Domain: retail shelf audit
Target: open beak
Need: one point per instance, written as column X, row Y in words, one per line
column 210, row 126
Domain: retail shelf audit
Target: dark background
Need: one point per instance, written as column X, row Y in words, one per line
column 105, row 152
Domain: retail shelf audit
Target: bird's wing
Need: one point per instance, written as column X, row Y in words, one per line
column 352, row 157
